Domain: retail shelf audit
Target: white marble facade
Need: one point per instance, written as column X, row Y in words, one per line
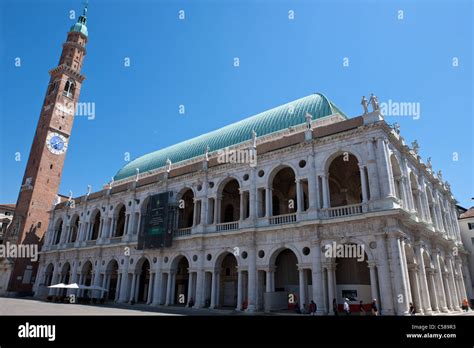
column 405, row 220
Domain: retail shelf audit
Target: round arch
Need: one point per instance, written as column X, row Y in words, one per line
column 229, row 192
column 58, row 229
column 344, row 179
column 74, row 224
column 181, row 265
column 273, row 253
column 120, row 213
column 273, row 171
column 327, row 160
column 94, row 220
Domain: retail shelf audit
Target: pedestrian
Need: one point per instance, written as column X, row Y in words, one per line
column 465, row 305
column 313, row 308
column 412, row 309
column 361, row 308
column 191, row 303
column 334, row 306
column 375, row 310
column 347, row 309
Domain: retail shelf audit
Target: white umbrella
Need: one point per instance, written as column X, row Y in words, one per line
column 58, row 286
column 72, row 286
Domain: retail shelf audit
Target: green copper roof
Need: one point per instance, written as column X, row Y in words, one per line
column 267, row 122
column 81, row 25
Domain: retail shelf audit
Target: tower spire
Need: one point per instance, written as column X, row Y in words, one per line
column 81, row 25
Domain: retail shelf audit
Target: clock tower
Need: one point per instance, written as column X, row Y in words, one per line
column 43, row 171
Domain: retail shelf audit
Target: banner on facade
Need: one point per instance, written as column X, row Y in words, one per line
column 158, row 223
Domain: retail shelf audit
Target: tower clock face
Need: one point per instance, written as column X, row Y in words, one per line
column 56, row 143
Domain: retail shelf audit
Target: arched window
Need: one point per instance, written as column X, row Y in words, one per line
column 59, row 229
column 69, row 89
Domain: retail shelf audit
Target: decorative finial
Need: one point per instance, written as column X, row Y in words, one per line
column 89, row 190
column 137, row 173
column 448, row 186
column 396, row 127
column 428, row 163
column 84, row 12
column 440, row 175
column 168, row 163
column 374, row 102
column 309, row 118
column 70, row 195
column 111, row 184
column 365, row 105
column 254, row 138
column 206, row 154
column 415, row 146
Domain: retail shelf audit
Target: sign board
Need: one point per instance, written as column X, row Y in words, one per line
column 158, row 224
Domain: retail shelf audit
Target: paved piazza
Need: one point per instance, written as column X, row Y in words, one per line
column 15, row 306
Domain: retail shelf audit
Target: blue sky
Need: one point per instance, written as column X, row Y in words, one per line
column 190, row 62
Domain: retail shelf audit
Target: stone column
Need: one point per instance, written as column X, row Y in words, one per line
column 372, row 171
column 425, row 205
column 299, row 196
column 312, row 185
column 432, row 289
column 331, row 290
column 81, row 282
column 101, row 226
column 403, row 193
column 385, row 282
column 398, row 278
column 324, row 181
column 302, row 288
column 239, row 290
column 214, row 285
column 384, row 167
column 119, row 286
column 363, row 183
column 407, row 182
column 252, row 279
column 199, row 300
column 421, row 212
column 373, row 281
column 204, row 210
column 405, row 267
column 217, row 207
column 425, row 295
column 415, row 283
column 157, row 287
column 168, row 289
column 317, row 276
column 241, row 205
column 151, row 282
column 54, row 277
column 268, row 202
column 190, row 288
column 268, row 281
column 447, row 291
column 124, row 281
column 132, row 291
column 96, row 280
column 440, row 286
column 452, row 284
column 131, row 224
column 253, row 197
column 173, row 287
